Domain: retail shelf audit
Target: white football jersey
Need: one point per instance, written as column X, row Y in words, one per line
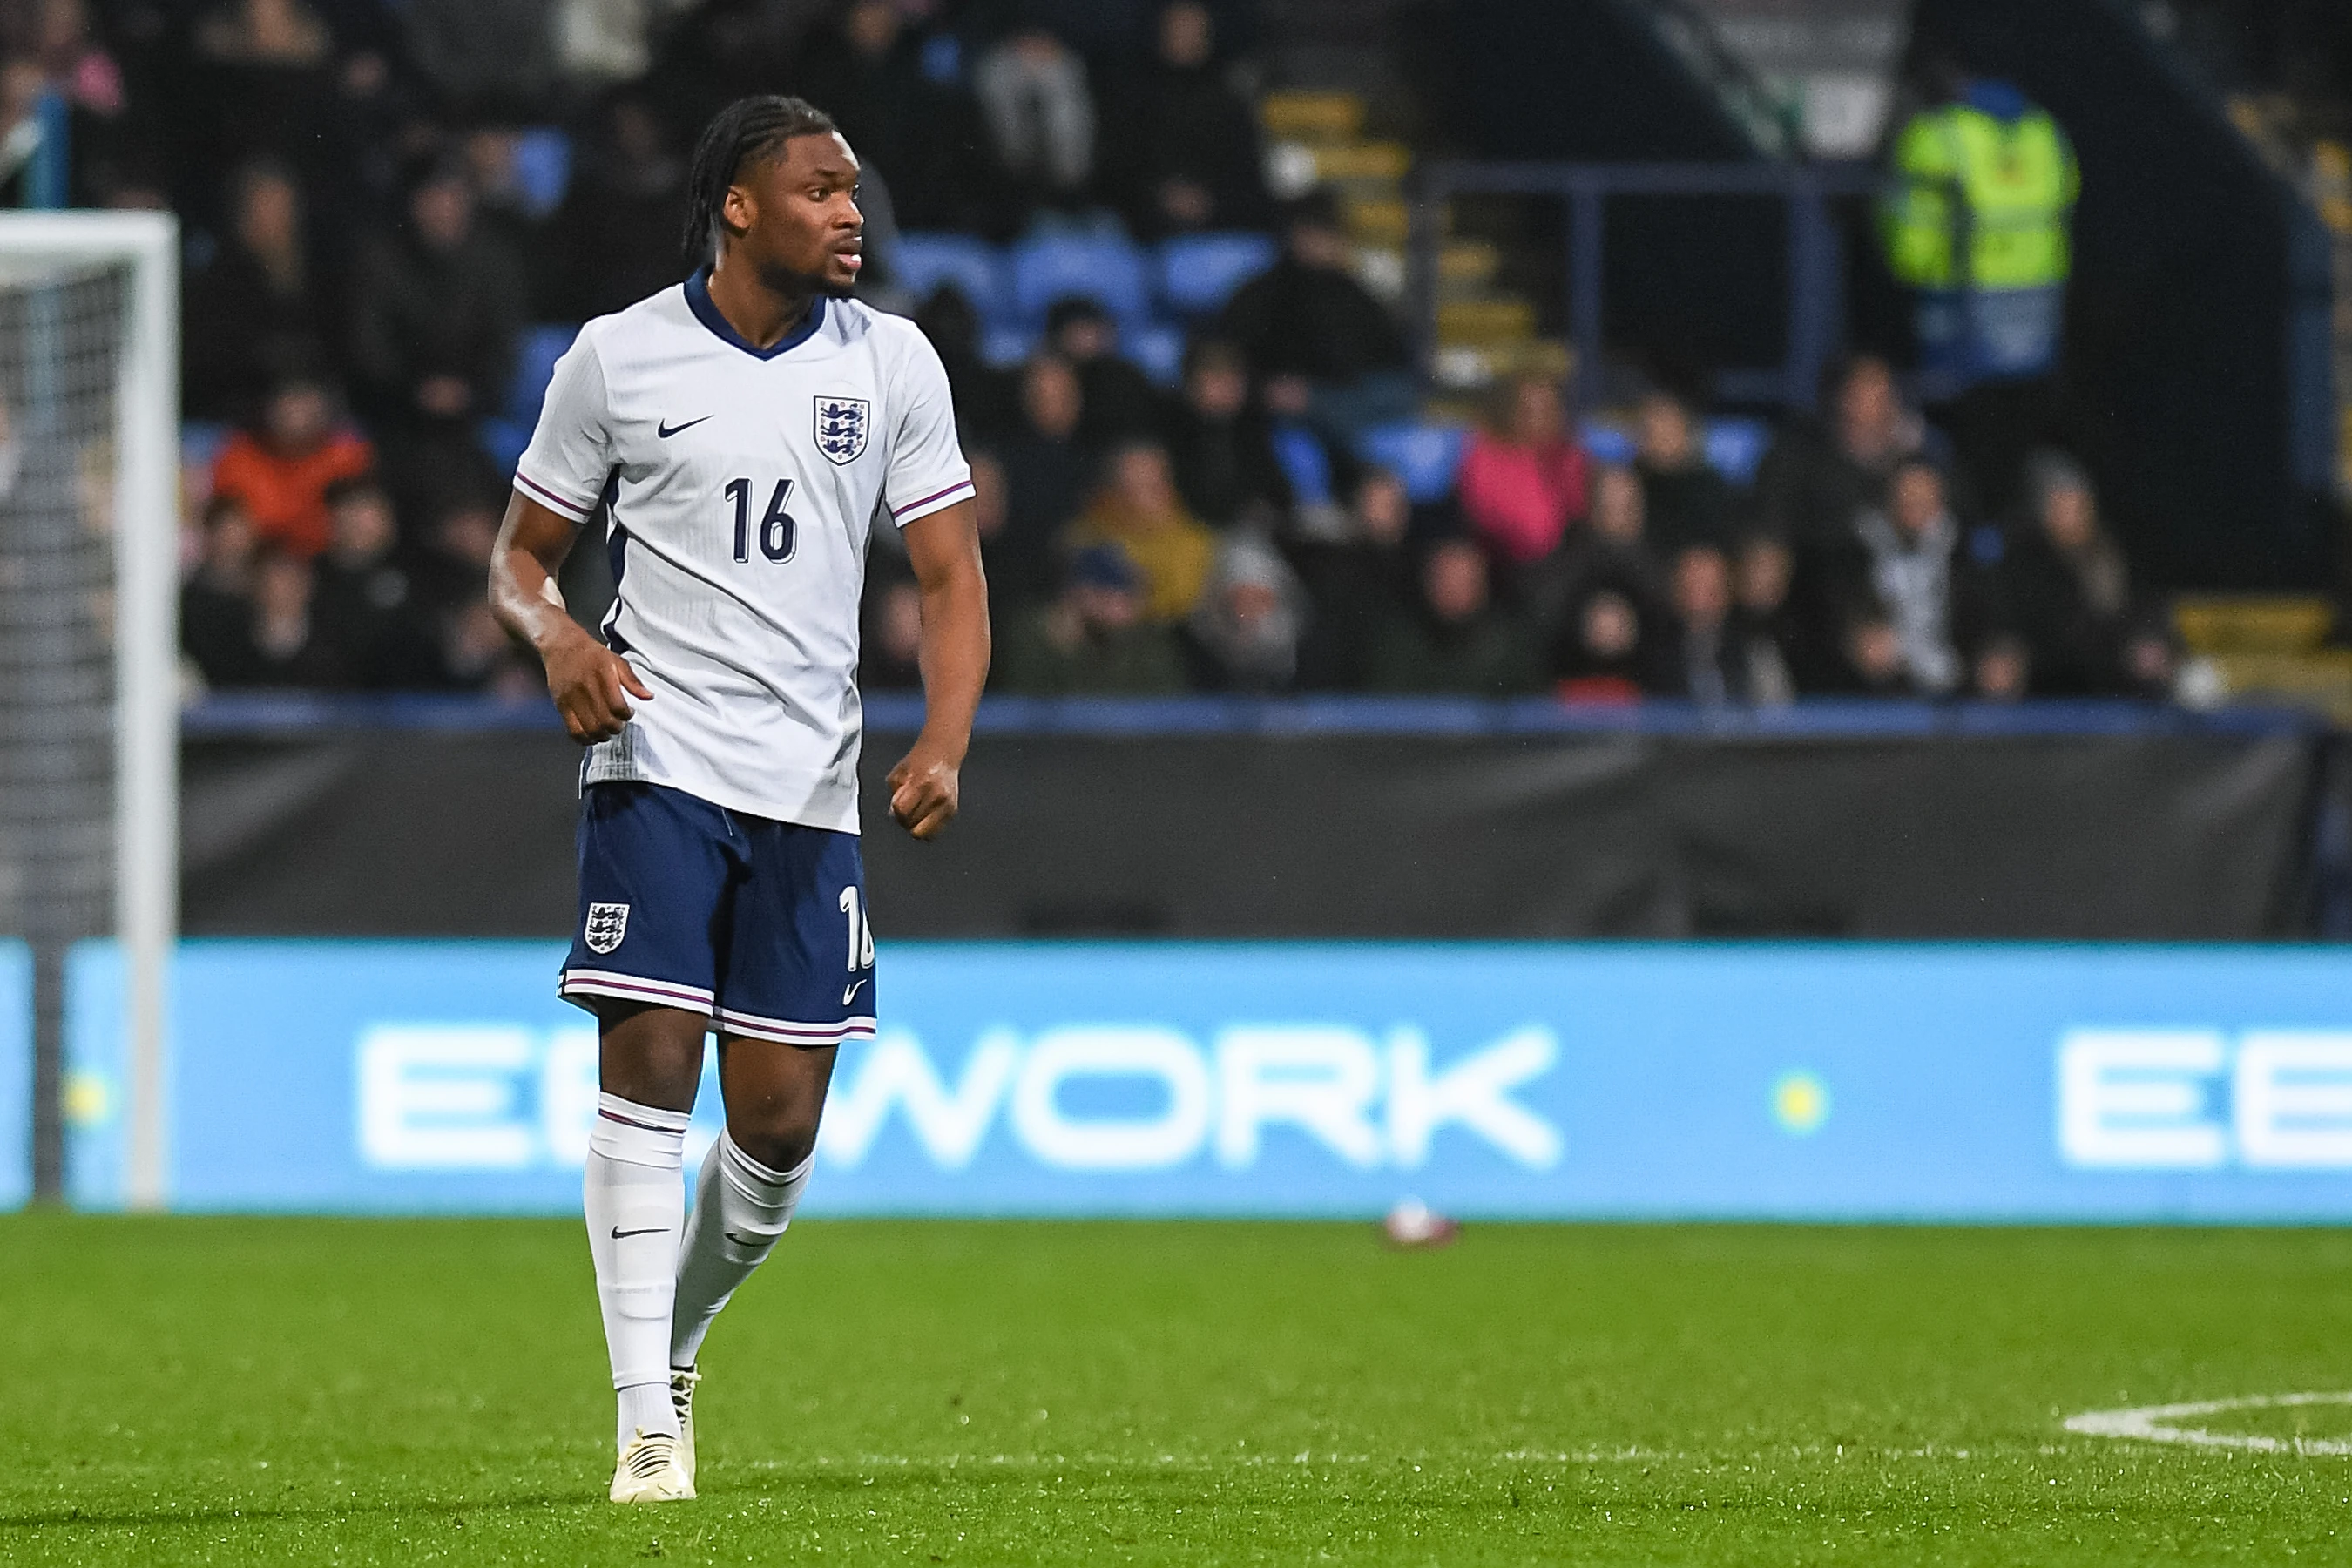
column 742, row 484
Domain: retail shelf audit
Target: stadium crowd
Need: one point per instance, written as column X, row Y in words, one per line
column 379, row 200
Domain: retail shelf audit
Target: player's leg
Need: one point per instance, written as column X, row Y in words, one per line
column 655, row 867
column 798, row 983
column 751, row 1180
column 634, row 1197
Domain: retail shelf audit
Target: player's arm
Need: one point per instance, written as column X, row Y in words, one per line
column 591, row 684
column 944, row 547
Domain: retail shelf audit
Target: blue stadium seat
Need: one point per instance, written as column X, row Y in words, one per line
column 1156, row 348
column 1423, row 455
column 921, row 262
column 1736, row 447
column 1606, row 443
column 1098, row 267
column 535, row 355
column 544, row 168
column 1007, row 343
column 1199, row 272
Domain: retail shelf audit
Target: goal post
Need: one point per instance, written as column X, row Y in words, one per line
column 89, row 335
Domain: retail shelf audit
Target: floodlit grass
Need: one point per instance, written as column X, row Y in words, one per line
column 278, row 1391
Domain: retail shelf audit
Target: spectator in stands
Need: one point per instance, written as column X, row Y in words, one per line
column 1523, row 476
column 2068, row 592
column 1687, row 502
column 216, row 601
column 1138, row 510
column 438, row 310
column 493, row 56
column 1929, row 589
column 1357, row 581
column 1308, row 316
column 454, row 565
column 260, row 83
column 1095, row 639
column 1815, row 480
column 1047, row 471
column 284, row 648
column 606, row 43
column 1607, row 650
column 366, row 607
column 1613, row 550
column 1774, row 652
column 507, row 211
column 1247, row 626
column 1318, row 468
column 866, row 72
column 616, row 232
column 1119, row 400
column 1456, row 639
column 722, row 50
column 1184, row 146
column 1222, row 447
column 1040, row 114
column 1707, row 658
column 890, row 652
column 250, row 314
column 280, row 471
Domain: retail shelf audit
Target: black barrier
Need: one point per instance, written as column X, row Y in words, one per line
column 1339, row 819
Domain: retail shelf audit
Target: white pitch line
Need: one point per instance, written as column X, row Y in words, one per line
column 2153, row 1424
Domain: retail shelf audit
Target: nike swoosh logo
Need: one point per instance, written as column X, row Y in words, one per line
column 846, row 995
column 665, row 431
column 618, row 1232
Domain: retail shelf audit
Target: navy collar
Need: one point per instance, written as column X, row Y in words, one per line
column 698, row 299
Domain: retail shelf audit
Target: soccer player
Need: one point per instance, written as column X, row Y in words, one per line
column 744, row 427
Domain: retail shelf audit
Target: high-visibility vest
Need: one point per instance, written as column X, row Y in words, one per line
column 1981, row 202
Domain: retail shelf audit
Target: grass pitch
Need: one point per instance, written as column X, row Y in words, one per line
column 267, row 1390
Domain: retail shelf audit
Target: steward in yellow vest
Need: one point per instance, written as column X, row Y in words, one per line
column 1978, row 223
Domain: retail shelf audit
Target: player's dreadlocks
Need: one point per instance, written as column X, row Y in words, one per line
column 745, row 132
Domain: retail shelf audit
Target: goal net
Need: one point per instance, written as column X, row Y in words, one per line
column 88, row 570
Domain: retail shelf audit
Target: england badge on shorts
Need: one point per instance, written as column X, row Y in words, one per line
column 607, row 924
column 841, row 424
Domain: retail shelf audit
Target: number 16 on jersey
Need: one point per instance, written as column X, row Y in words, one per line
column 779, row 534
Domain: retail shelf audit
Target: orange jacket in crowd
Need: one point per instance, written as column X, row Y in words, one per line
column 287, row 496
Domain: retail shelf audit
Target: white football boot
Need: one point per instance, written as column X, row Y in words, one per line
column 649, row 1471
column 681, row 1399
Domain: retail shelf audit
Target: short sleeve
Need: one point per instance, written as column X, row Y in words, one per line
column 569, row 460
column 927, row 472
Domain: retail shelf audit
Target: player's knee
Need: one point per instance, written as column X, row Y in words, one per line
column 781, row 1138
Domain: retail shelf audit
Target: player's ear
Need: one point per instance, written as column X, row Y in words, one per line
column 739, row 208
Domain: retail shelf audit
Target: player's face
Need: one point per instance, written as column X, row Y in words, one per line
column 798, row 217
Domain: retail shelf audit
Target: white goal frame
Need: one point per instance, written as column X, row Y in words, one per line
column 146, row 639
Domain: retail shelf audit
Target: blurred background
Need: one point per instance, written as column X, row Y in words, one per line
column 1830, row 471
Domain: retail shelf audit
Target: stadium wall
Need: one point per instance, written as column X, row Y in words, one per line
column 1447, row 820
column 1528, row 1081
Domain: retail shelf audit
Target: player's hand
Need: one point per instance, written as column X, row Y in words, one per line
column 591, row 686
column 924, row 790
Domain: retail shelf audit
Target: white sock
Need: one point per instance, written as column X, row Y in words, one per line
column 635, row 1206
column 740, row 1208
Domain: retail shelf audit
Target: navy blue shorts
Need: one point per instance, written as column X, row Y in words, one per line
column 760, row 925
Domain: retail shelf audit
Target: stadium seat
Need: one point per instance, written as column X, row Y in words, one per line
column 1736, row 447
column 1006, row 344
column 1607, row 443
column 1198, row 273
column 536, row 352
column 1102, row 267
column 544, row 168
column 1158, row 349
column 1423, row 455
column 923, row 262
